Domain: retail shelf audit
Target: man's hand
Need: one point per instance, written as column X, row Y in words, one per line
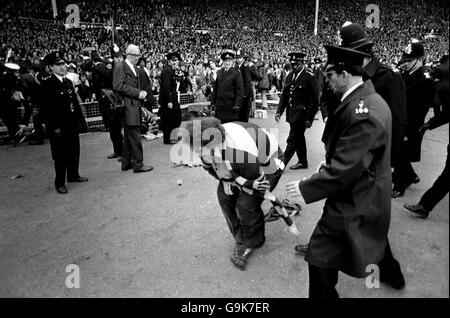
column 277, row 117
column 293, row 190
column 320, row 166
column 20, row 131
column 325, row 120
column 308, row 124
column 170, row 105
column 236, row 109
column 142, row 94
column 261, row 184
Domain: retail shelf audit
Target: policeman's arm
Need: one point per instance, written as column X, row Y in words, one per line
column 214, row 92
column 239, row 90
column 283, row 98
column 312, row 99
column 165, row 87
column 353, row 156
column 119, row 83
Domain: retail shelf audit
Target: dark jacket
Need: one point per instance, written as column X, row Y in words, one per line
column 356, row 183
column 101, row 78
column 249, row 74
column 61, row 109
column 127, row 85
column 227, row 93
column 299, row 98
column 420, row 92
column 390, row 86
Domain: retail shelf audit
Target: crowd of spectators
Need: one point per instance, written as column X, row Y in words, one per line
column 200, row 29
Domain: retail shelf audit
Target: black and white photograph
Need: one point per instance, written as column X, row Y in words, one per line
column 224, row 155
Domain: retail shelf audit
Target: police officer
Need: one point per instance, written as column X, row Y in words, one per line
column 169, row 111
column 63, row 117
column 11, row 97
column 248, row 74
column 300, row 100
column 228, row 90
column 387, row 82
column 355, row 179
column 419, row 98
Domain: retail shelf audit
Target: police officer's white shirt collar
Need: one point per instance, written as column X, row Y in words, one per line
column 61, row 78
column 350, row 90
column 131, row 66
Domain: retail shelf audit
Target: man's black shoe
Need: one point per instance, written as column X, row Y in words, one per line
column 61, row 189
column 392, row 275
column 397, row 194
column 143, row 169
column 113, row 156
column 301, row 249
column 299, row 166
column 417, row 209
column 126, row 167
column 79, row 179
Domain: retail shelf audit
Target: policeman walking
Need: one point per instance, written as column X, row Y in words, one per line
column 300, row 100
column 63, row 117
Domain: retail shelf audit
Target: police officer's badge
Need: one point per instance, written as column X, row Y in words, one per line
column 361, row 109
column 408, row 49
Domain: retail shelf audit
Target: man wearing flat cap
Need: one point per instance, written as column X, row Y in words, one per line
column 300, row 99
column 248, row 74
column 228, row 90
column 387, row 83
column 170, row 110
column 355, row 179
column 63, row 118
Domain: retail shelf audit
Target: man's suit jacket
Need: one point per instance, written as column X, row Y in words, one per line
column 127, row 85
column 299, row 97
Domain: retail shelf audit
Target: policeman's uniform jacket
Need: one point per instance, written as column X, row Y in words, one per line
column 61, row 109
column 356, row 183
column 299, row 97
column 389, row 84
column 420, row 92
column 249, row 74
column 228, row 92
column 170, row 118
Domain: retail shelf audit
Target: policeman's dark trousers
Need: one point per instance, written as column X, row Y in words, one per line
column 390, row 270
column 403, row 174
column 296, row 143
column 132, row 147
column 244, row 111
column 244, row 217
column 322, row 282
column 438, row 190
column 65, row 150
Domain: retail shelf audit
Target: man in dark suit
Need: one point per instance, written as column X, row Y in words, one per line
column 127, row 84
column 102, row 79
column 355, row 179
column 248, row 74
column 63, row 117
column 170, row 111
column 228, row 91
column 300, row 100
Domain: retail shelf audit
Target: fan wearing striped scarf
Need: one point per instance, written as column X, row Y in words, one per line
column 242, row 156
